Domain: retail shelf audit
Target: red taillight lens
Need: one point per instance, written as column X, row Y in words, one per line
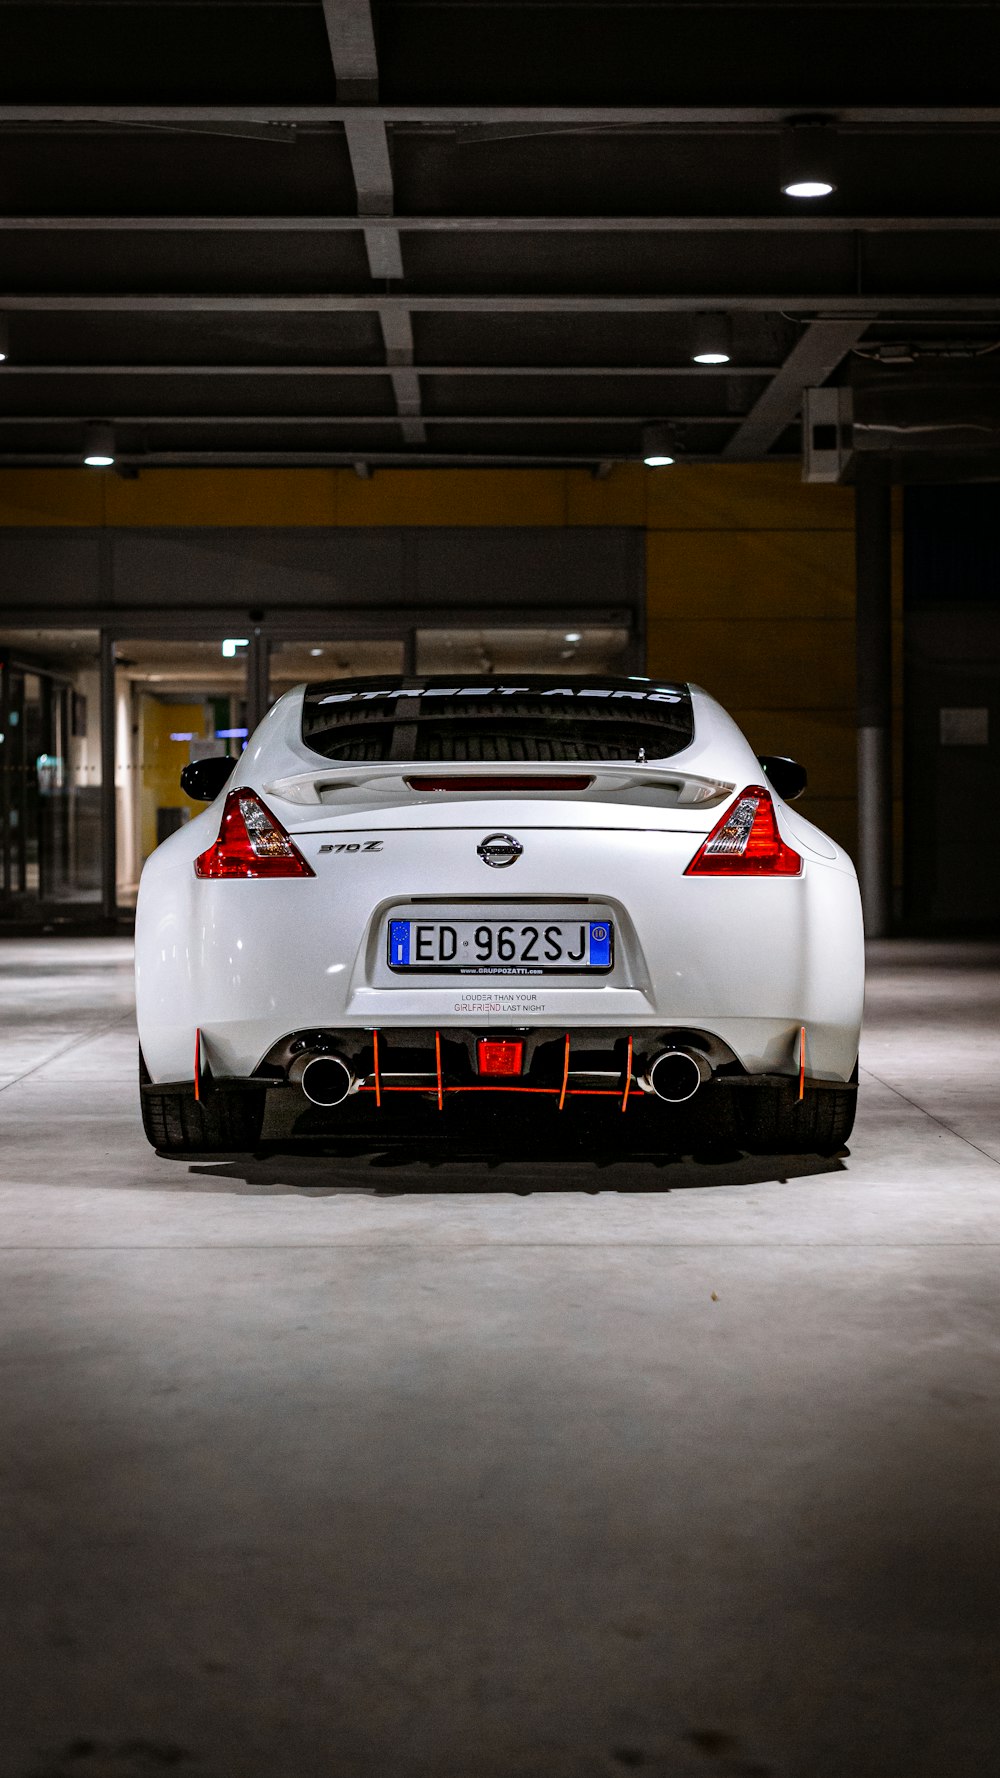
column 746, row 842
column 499, row 1057
column 251, row 843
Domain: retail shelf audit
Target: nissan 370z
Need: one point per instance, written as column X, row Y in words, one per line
column 581, row 898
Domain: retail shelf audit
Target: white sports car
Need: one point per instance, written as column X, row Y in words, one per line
column 590, row 898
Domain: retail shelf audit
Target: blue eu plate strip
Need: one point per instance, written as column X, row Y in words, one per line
column 399, row 941
column 600, row 945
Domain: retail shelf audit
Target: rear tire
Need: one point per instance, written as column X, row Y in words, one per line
column 776, row 1122
column 222, row 1122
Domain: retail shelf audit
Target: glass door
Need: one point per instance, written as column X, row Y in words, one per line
column 50, row 773
column 174, row 702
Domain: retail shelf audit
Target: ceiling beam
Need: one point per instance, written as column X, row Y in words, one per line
column 352, row 49
column 585, row 117
column 382, row 370
column 811, row 361
column 368, row 147
column 369, row 151
column 389, row 223
column 416, row 458
column 397, row 332
column 351, row 32
column 809, row 305
column 352, row 46
column 264, row 420
column 676, row 5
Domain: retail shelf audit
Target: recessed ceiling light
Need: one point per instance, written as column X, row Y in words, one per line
column 711, row 340
column 572, row 636
column 808, row 148
column 99, row 445
column 809, row 188
column 658, row 446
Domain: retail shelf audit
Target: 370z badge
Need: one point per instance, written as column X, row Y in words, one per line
column 355, row 846
column 500, row 850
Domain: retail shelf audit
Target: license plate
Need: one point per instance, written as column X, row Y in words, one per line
column 500, row 947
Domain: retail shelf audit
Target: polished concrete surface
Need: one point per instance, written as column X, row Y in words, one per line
column 328, row 1469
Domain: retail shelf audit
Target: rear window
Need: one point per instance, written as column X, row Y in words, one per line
column 529, row 719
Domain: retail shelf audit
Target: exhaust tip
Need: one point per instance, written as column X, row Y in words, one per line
column 326, row 1080
column 676, row 1075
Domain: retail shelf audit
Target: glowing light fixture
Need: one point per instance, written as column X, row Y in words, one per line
column 711, row 340
column 99, row 445
column 231, row 644
column 658, row 446
column 4, row 339
column 808, row 149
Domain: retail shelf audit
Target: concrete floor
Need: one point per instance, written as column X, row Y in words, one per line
column 325, row 1469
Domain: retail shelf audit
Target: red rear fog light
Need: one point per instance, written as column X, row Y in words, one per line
column 499, row 1057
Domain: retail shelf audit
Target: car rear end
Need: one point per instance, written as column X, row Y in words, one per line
column 573, row 897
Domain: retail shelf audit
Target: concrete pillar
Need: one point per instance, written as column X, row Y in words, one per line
column 258, row 677
column 873, row 547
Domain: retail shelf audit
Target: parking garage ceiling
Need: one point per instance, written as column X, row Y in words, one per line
column 484, row 231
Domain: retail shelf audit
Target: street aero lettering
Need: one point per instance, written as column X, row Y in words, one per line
column 660, row 695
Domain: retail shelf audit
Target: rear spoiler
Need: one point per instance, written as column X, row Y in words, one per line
column 466, row 777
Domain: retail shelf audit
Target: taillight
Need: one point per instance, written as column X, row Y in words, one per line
column 746, row 842
column 251, row 843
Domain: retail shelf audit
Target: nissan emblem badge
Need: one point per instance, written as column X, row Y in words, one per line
column 499, row 850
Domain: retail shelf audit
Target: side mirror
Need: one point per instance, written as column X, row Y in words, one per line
column 787, row 776
column 204, row 778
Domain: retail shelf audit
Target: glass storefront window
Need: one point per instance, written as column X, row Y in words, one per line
column 172, row 701
column 50, row 771
column 570, row 649
column 295, row 662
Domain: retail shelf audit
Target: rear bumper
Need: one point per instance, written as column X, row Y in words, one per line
column 765, row 1046
column 444, row 1063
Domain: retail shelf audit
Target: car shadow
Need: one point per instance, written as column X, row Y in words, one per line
column 406, row 1168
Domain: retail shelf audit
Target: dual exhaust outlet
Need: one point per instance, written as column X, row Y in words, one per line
column 324, row 1078
column 675, row 1075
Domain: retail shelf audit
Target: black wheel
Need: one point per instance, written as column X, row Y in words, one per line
column 776, row 1121
column 221, row 1122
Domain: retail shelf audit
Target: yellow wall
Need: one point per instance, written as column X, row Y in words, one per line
column 750, row 577
column 162, row 759
column 750, row 572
